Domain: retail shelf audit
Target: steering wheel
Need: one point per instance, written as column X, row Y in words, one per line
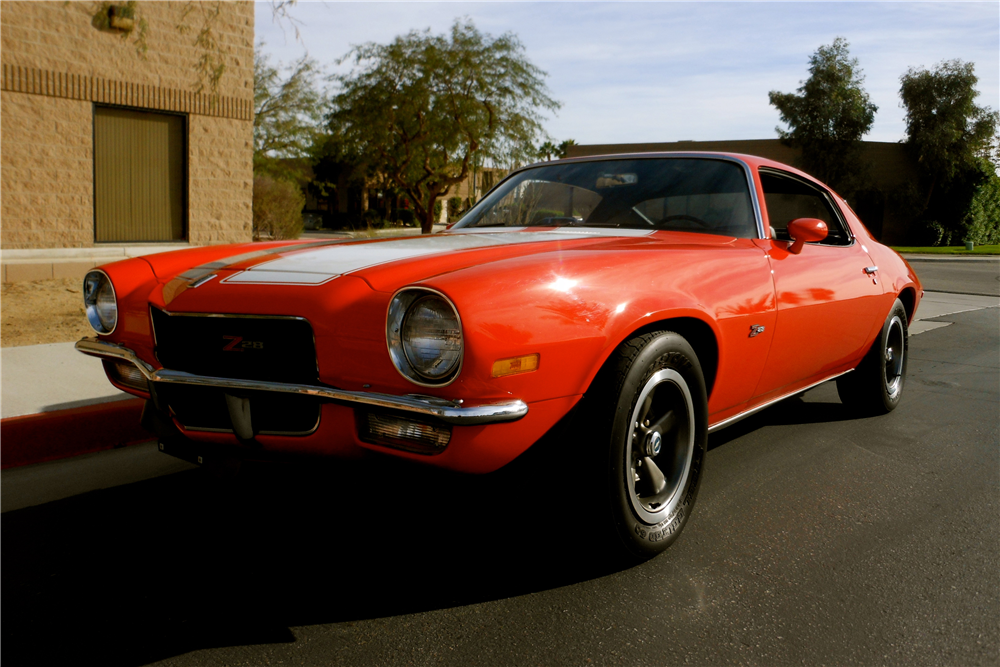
column 696, row 222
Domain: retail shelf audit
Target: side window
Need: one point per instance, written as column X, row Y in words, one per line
column 788, row 198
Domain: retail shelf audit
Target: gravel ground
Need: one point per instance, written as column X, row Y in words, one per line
column 43, row 311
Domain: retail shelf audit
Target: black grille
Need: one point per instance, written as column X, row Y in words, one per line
column 278, row 349
column 271, row 413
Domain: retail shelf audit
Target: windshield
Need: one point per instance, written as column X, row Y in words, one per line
column 681, row 194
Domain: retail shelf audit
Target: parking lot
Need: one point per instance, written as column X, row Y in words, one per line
column 818, row 538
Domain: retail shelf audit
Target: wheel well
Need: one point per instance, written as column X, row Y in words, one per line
column 700, row 336
column 907, row 297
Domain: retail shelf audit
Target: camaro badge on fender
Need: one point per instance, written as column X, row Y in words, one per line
column 756, row 329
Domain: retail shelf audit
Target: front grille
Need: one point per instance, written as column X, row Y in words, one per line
column 271, row 413
column 274, row 349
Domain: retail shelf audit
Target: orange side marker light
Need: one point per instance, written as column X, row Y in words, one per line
column 516, row 365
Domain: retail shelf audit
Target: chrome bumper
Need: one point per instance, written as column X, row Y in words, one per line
column 452, row 412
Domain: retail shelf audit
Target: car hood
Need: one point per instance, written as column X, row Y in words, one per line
column 384, row 264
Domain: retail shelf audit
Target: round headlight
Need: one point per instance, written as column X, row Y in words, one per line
column 100, row 302
column 425, row 337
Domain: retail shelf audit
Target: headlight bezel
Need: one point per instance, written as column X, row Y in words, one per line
column 91, row 297
column 399, row 307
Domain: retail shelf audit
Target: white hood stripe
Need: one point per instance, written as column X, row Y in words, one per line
column 319, row 265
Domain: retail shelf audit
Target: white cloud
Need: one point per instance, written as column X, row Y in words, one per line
column 665, row 71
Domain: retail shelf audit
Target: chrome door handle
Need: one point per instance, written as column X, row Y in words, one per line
column 871, row 269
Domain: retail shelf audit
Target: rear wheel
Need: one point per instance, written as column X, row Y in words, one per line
column 651, row 448
column 876, row 385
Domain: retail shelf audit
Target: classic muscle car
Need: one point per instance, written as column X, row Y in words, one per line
column 649, row 299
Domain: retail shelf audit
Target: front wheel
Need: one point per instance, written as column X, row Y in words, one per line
column 876, row 385
column 654, row 440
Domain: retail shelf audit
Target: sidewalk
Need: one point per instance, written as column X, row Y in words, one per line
column 56, row 402
column 46, row 263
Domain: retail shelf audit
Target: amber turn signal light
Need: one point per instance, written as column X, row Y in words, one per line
column 524, row 364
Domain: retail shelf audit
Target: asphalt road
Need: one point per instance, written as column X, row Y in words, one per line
column 818, row 539
column 960, row 276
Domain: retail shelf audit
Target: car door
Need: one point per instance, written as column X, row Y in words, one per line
column 828, row 295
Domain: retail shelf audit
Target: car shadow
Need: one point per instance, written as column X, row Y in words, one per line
column 144, row 572
column 791, row 411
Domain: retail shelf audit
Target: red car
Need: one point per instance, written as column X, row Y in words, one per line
column 649, row 299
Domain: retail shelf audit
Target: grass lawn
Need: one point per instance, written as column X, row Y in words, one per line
column 949, row 250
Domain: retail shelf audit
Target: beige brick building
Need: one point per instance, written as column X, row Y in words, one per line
column 115, row 137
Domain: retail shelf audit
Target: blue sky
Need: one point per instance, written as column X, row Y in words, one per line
column 634, row 72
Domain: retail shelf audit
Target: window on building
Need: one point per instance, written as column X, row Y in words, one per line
column 140, row 179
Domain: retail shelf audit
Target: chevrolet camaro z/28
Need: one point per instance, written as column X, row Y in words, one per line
column 650, row 298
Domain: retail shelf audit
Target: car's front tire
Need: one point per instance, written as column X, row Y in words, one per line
column 876, row 385
column 650, row 449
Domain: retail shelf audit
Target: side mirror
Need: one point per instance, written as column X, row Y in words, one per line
column 805, row 230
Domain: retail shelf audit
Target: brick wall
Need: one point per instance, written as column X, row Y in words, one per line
column 56, row 65
column 220, row 177
column 47, row 176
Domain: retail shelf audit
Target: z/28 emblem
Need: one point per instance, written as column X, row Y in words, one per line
column 237, row 344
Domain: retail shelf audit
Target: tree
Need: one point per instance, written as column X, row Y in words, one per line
column 982, row 221
column 948, row 133
column 288, row 111
column 828, row 116
column 564, row 147
column 424, row 108
column 547, row 150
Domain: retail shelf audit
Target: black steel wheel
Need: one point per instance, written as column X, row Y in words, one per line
column 652, row 448
column 876, row 385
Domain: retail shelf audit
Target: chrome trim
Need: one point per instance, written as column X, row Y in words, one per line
column 747, row 171
column 201, row 281
column 240, row 315
column 451, row 412
column 743, row 415
column 871, row 269
column 398, row 356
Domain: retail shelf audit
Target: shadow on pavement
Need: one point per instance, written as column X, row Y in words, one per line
column 143, row 572
column 790, row 411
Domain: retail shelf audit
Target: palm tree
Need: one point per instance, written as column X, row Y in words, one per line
column 564, row 147
column 547, row 150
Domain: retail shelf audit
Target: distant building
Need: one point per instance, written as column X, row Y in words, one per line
column 105, row 145
column 891, row 168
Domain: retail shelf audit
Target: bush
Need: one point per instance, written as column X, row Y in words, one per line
column 372, row 218
column 982, row 222
column 277, row 209
column 438, row 205
column 455, row 209
column 404, row 216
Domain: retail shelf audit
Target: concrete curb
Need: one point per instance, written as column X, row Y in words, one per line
column 951, row 258
column 49, row 436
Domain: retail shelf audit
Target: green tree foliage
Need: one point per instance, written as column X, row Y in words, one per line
column 828, row 116
column 981, row 224
column 288, row 111
column 547, row 150
column 564, row 147
column 424, row 107
column 953, row 139
column 277, row 208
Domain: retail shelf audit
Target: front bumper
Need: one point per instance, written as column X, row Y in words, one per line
column 451, row 412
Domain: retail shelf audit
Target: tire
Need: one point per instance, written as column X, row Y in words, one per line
column 876, row 385
column 649, row 451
